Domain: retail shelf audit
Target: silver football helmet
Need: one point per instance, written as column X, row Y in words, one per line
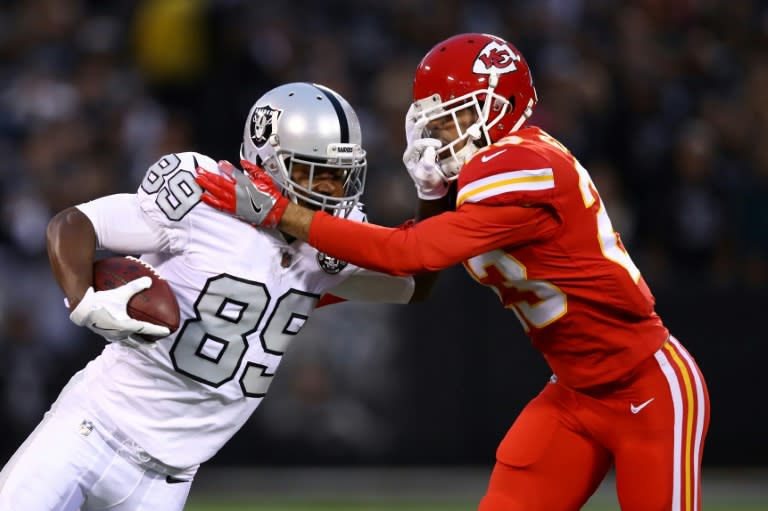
column 310, row 124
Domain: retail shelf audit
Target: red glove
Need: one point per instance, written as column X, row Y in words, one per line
column 254, row 199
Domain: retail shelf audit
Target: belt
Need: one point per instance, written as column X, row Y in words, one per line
column 130, row 450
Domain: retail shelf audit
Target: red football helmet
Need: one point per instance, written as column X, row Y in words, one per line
column 464, row 71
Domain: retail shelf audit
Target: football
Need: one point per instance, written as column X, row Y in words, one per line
column 156, row 304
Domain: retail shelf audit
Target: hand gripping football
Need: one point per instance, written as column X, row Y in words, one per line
column 156, row 304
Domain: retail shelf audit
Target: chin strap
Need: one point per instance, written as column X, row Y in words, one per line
column 451, row 165
column 526, row 114
column 493, row 81
column 475, row 132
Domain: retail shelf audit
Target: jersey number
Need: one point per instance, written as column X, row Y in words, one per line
column 210, row 347
column 538, row 303
column 534, row 302
column 177, row 192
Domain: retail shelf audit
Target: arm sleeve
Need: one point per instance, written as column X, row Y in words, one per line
column 370, row 286
column 435, row 243
column 122, row 227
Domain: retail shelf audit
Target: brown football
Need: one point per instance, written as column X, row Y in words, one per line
column 156, row 304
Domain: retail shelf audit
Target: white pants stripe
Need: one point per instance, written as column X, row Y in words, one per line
column 674, row 359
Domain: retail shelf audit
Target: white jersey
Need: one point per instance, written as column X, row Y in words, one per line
column 244, row 293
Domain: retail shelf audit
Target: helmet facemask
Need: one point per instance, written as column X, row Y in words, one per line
column 455, row 153
column 346, row 162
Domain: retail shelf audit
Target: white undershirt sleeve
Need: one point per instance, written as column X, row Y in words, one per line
column 122, row 227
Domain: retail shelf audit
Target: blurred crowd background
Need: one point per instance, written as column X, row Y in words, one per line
column 664, row 101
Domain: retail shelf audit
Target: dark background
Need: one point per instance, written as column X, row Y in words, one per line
column 664, row 101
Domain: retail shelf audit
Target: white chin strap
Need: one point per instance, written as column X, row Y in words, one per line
column 451, row 165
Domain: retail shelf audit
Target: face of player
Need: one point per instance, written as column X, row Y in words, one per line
column 445, row 130
column 327, row 181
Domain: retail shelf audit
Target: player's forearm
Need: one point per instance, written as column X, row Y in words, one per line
column 296, row 221
column 71, row 243
column 397, row 251
column 383, row 249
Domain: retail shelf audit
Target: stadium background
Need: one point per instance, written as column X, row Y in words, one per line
column 665, row 101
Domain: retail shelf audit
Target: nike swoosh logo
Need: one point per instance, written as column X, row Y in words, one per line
column 488, row 157
column 174, row 480
column 636, row 409
column 94, row 325
column 256, row 209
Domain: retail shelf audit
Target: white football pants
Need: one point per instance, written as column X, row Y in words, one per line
column 67, row 464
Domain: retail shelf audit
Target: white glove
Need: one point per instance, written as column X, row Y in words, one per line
column 420, row 159
column 105, row 312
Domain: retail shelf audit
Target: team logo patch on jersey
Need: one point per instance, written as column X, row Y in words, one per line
column 330, row 264
column 495, row 58
column 263, row 122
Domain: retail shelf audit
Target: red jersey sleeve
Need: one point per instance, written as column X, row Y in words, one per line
column 435, row 243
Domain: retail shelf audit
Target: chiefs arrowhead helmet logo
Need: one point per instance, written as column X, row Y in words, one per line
column 495, row 58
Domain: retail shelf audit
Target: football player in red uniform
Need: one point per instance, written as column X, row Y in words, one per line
column 528, row 222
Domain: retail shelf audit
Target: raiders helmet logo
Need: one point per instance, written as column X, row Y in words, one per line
column 495, row 58
column 263, row 122
column 330, row 264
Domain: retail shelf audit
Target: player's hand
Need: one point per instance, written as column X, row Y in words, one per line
column 420, row 159
column 105, row 312
column 253, row 198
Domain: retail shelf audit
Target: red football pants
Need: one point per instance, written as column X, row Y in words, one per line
column 651, row 428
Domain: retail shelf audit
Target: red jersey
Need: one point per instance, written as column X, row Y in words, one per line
column 529, row 224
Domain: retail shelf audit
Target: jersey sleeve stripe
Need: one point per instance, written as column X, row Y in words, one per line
column 518, row 180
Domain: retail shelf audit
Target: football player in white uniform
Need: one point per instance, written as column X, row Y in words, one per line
column 130, row 430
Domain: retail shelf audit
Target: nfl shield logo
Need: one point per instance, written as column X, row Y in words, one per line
column 86, row 427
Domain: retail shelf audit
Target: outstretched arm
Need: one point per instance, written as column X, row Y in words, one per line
column 431, row 245
column 254, row 198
